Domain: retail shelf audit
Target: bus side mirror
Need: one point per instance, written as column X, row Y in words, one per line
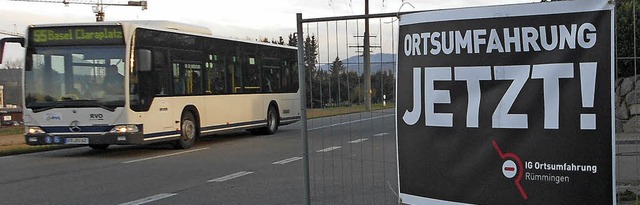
column 143, row 60
column 3, row 41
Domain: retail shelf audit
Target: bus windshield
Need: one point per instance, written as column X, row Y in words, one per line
column 77, row 76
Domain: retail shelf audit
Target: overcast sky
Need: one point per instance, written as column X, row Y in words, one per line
column 235, row 18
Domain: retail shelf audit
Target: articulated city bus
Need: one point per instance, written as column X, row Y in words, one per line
column 141, row 82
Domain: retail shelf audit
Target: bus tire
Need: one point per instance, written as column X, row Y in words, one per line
column 272, row 122
column 188, row 132
column 99, row 146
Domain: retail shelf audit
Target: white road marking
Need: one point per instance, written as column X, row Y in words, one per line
column 350, row 122
column 166, row 155
column 328, row 149
column 284, row 161
column 231, row 176
column 149, row 199
column 380, row 134
column 358, row 140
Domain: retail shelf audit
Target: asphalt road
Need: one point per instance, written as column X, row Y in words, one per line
column 352, row 161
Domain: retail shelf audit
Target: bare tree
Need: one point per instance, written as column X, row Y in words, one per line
column 14, row 64
column 280, row 41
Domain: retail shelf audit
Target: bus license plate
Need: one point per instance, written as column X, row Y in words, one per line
column 76, row 141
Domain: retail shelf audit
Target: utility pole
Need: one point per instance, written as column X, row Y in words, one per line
column 367, row 59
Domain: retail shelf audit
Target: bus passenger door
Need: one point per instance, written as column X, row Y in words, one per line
column 154, row 101
column 164, row 114
column 151, row 90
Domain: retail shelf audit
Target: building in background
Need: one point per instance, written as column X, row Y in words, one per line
column 10, row 116
column 1, row 96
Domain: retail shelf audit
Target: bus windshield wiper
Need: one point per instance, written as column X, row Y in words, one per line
column 74, row 103
column 89, row 103
column 37, row 109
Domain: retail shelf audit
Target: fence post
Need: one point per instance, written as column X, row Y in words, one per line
column 303, row 110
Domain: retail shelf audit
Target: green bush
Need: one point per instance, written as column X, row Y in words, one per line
column 629, row 196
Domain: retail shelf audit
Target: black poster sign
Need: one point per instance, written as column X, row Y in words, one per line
column 507, row 104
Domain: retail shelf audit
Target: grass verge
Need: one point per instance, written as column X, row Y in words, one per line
column 13, row 130
column 333, row 111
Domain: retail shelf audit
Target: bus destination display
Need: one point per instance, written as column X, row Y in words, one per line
column 95, row 35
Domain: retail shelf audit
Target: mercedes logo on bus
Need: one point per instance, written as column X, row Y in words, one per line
column 73, row 127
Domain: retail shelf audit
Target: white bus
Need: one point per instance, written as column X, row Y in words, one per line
column 141, row 82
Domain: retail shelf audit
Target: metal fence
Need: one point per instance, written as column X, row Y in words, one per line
column 627, row 103
column 352, row 158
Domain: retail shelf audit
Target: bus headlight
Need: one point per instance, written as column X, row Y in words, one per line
column 125, row 129
column 35, row 130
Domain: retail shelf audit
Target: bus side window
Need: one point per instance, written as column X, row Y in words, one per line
column 269, row 70
column 285, row 76
column 236, row 76
column 251, row 75
column 208, row 75
column 267, row 85
column 179, row 83
column 216, row 76
column 292, row 77
column 195, row 83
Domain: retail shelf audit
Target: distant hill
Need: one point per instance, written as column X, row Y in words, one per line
column 379, row 61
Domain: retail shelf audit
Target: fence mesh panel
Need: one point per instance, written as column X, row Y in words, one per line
column 627, row 103
column 353, row 157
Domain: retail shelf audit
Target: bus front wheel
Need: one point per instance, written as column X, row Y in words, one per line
column 188, row 132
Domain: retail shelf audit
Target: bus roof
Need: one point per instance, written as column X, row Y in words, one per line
column 170, row 25
column 162, row 25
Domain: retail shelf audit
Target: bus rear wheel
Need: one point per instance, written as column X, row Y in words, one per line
column 272, row 123
column 188, row 132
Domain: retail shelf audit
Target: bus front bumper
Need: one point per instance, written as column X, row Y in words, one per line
column 85, row 139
